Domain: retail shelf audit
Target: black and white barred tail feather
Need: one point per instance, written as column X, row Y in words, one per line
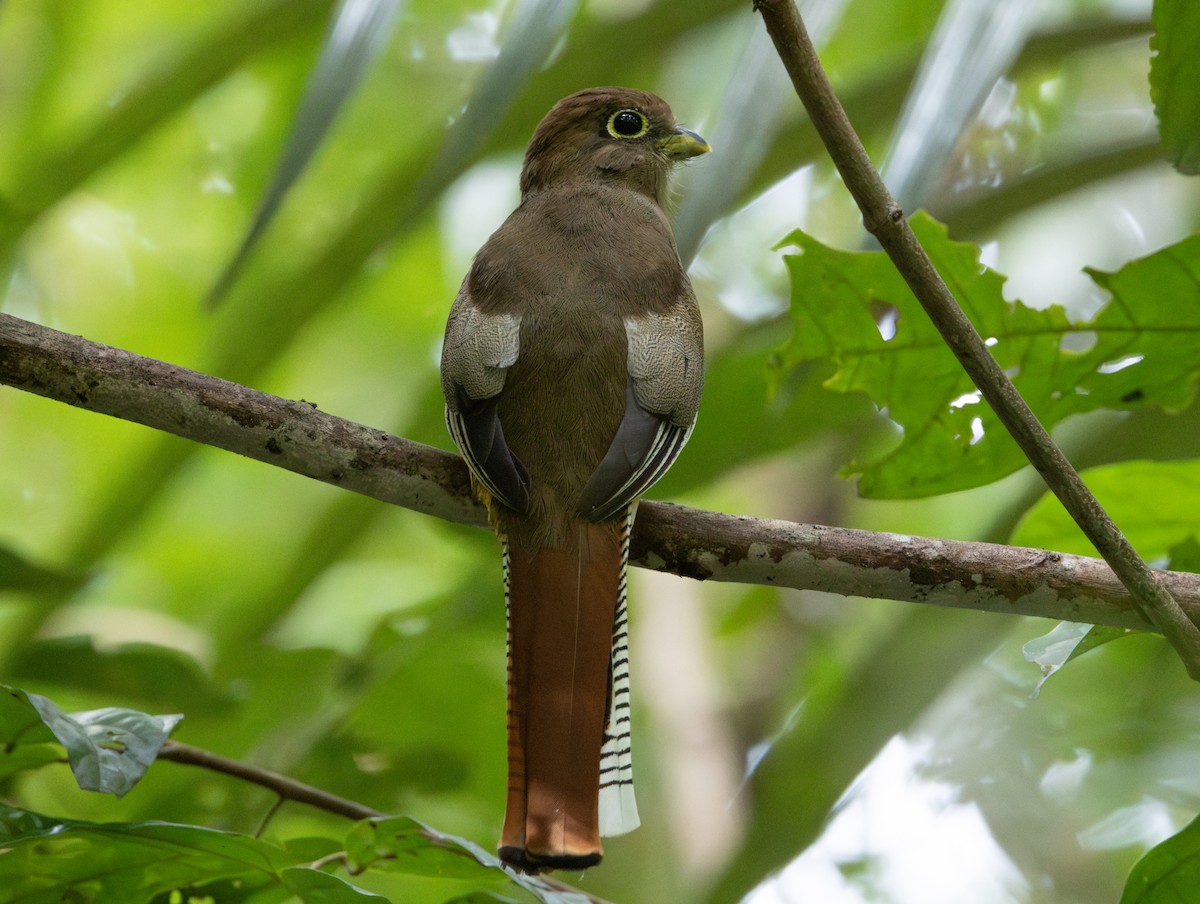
column 618, row 806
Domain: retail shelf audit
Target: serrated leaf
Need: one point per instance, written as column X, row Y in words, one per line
column 109, row 749
column 1169, row 873
column 853, row 308
column 1174, row 75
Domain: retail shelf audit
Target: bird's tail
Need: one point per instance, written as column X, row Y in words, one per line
column 569, row 778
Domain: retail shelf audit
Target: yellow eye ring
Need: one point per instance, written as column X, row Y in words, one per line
column 628, row 124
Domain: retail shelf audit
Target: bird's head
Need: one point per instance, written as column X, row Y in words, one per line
column 609, row 134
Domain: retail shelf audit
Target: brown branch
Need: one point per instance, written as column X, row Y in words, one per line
column 289, row 434
column 883, row 218
column 683, row 541
column 286, row 788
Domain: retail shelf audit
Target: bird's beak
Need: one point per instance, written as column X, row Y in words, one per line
column 683, row 143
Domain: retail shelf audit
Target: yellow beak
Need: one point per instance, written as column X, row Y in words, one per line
column 682, row 144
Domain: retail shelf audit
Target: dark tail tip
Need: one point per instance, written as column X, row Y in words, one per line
column 528, row 862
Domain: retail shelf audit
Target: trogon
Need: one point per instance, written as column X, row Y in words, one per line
column 572, row 368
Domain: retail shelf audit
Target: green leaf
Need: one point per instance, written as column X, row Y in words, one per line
column 148, row 859
column 1154, row 502
column 144, row 674
column 157, row 95
column 20, row 722
column 18, row 573
column 315, row 887
column 1169, row 873
column 1185, row 555
column 1144, row 349
column 404, row 845
column 1065, row 642
column 109, row 749
column 1174, row 75
column 15, row 823
column 129, row 863
column 27, row 757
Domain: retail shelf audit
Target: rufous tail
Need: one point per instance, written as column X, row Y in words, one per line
column 566, row 628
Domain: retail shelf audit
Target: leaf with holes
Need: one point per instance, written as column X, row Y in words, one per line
column 1142, row 348
column 109, row 749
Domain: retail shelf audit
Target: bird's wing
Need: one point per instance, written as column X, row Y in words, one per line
column 479, row 349
column 662, row 396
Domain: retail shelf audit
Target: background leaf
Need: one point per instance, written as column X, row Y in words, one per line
column 357, row 32
column 1169, row 873
column 315, row 887
column 1174, row 70
column 17, row 573
column 404, row 844
column 1153, row 530
column 1065, row 642
column 124, row 864
column 25, row 741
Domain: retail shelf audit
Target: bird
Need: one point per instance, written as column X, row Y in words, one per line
column 572, row 368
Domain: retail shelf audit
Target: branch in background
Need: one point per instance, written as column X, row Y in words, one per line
column 286, row 788
column 885, row 220
column 683, row 541
column 975, row 212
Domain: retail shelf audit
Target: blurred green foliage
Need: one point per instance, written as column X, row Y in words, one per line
column 360, row 649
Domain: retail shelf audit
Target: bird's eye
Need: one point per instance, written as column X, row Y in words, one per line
column 627, row 124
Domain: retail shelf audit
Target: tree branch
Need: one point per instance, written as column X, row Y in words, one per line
column 671, row 538
column 884, row 219
column 286, row 788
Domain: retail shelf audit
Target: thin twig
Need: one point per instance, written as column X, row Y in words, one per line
column 670, row 538
column 884, row 219
column 287, row 788
column 276, row 806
